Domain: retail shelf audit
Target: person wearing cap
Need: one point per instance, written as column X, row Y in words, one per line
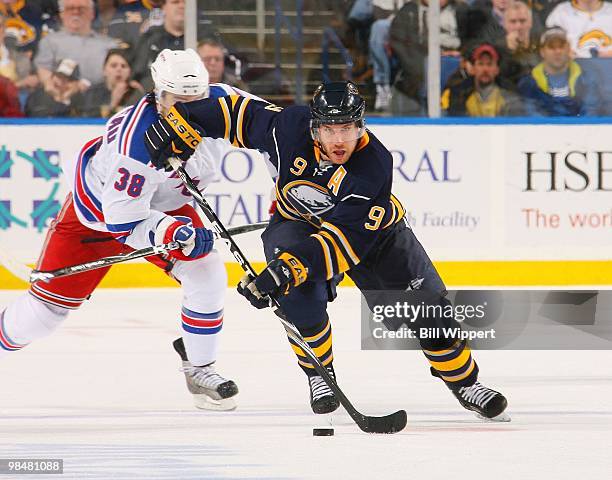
column 588, row 24
column 58, row 97
column 480, row 95
column 558, row 85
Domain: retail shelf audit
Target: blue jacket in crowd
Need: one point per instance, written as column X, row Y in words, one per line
column 583, row 99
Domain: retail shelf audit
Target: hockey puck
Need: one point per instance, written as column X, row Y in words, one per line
column 323, row 432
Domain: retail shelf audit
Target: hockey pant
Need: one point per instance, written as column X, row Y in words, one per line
column 42, row 309
column 397, row 262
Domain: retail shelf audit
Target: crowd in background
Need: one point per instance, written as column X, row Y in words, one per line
column 81, row 58
column 499, row 57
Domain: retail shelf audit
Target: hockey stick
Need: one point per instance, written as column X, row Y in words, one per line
column 26, row 274
column 392, row 423
column 38, row 275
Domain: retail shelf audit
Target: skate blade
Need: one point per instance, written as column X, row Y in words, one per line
column 502, row 417
column 204, row 402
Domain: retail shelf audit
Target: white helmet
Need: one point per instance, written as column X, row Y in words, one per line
column 181, row 72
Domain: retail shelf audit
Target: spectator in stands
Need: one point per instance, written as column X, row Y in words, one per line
column 588, row 24
column 58, row 97
column 519, row 49
column 169, row 35
column 76, row 40
column 540, row 10
column 15, row 58
column 212, row 54
column 484, row 21
column 384, row 12
column 129, row 23
column 9, row 99
column 8, row 67
column 155, row 15
column 105, row 11
column 558, row 85
column 24, row 23
column 116, row 92
column 518, row 26
column 359, row 20
column 408, row 39
column 485, row 98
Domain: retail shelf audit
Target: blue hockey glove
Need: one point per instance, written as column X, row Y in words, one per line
column 172, row 136
column 196, row 242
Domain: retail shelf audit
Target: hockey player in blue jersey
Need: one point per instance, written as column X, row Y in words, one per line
column 335, row 214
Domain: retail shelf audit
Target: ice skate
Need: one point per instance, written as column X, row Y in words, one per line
column 322, row 399
column 485, row 402
column 210, row 390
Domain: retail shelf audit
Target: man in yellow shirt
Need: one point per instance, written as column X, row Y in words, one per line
column 480, row 95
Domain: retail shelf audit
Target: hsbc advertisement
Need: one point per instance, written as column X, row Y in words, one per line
column 558, row 191
column 472, row 192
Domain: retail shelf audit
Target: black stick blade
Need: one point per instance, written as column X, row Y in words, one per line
column 392, row 423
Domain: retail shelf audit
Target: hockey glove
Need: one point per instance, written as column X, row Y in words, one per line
column 172, row 136
column 196, row 242
column 281, row 274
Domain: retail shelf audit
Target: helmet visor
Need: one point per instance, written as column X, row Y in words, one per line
column 337, row 133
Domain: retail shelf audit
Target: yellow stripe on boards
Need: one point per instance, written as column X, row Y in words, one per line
column 477, row 273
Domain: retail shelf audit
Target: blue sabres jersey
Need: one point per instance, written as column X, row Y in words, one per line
column 349, row 205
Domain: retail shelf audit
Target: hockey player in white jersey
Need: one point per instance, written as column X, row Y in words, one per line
column 118, row 203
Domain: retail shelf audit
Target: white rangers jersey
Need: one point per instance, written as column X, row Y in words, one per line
column 585, row 30
column 117, row 190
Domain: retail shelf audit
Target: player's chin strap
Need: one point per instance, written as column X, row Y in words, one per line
column 392, row 423
column 25, row 273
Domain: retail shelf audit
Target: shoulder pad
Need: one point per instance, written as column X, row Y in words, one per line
column 220, row 90
column 131, row 140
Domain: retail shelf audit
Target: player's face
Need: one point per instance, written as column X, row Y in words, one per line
column 167, row 100
column 339, row 141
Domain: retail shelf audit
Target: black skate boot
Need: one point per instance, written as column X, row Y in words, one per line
column 209, row 389
column 487, row 403
column 322, row 399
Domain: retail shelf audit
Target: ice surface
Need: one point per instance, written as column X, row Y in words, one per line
column 104, row 393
